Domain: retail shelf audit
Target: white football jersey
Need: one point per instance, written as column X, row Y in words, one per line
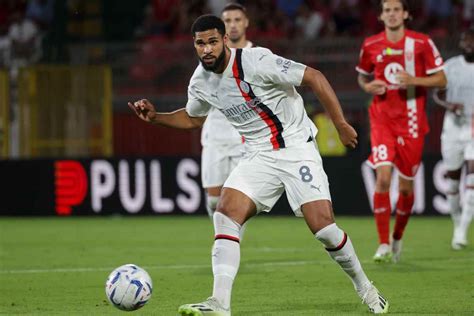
column 256, row 93
column 460, row 89
column 217, row 129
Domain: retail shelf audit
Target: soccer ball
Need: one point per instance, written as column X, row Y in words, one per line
column 128, row 287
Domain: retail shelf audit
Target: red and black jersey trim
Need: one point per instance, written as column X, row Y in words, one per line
column 265, row 113
column 228, row 237
column 340, row 246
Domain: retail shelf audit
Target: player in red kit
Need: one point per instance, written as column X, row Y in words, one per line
column 397, row 66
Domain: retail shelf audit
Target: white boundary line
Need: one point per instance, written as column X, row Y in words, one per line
column 200, row 266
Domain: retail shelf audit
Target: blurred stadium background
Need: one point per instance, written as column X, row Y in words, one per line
column 70, row 146
column 70, row 66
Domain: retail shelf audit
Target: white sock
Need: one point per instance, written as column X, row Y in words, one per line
column 454, row 200
column 225, row 257
column 242, row 231
column 468, row 205
column 340, row 249
column 211, row 204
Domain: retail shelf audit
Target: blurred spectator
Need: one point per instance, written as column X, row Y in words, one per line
column 159, row 18
column 438, row 13
column 216, row 6
column 468, row 12
column 309, row 23
column 4, row 19
column 24, row 40
column 370, row 17
column 289, row 7
column 40, row 11
column 346, row 17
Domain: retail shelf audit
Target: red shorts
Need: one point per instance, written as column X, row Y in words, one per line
column 389, row 149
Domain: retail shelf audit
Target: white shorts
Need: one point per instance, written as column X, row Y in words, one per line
column 264, row 175
column 456, row 152
column 217, row 162
column 457, row 144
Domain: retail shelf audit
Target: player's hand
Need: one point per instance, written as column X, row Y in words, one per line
column 405, row 79
column 143, row 109
column 347, row 134
column 376, row 87
column 456, row 108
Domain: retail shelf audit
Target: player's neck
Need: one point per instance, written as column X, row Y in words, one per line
column 395, row 35
column 241, row 43
column 226, row 61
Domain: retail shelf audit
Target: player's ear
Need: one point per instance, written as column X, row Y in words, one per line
column 225, row 39
column 246, row 22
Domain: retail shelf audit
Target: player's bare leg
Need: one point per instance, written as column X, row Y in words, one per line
column 460, row 235
column 453, row 178
column 382, row 212
column 212, row 200
column 233, row 210
column 320, row 219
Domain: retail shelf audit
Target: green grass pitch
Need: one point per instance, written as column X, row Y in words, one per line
column 58, row 266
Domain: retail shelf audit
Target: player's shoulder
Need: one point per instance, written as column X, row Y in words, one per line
column 374, row 39
column 256, row 51
column 199, row 76
column 454, row 61
column 417, row 35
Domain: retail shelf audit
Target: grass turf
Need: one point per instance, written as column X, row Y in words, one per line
column 58, row 266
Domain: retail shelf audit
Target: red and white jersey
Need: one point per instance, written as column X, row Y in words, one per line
column 256, row 93
column 217, row 129
column 402, row 108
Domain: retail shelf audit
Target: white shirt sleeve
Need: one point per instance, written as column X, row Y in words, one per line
column 195, row 107
column 272, row 68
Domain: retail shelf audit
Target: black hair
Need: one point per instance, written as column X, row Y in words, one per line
column 234, row 6
column 208, row 22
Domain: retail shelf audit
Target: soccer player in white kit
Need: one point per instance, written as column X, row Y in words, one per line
column 255, row 90
column 457, row 137
column 222, row 145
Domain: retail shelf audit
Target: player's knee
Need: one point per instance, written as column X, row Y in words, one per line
column 453, row 186
column 382, row 184
column 405, row 192
column 224, row 225
column 211, row 204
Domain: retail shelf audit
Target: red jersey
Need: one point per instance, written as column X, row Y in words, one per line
column 403, row 109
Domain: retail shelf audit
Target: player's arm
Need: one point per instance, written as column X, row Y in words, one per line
column 374, row 87
column 145, row 110
column 436, row 80
column 326, row 95
column 439, row 96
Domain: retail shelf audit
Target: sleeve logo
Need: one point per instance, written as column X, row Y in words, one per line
column 284, row 64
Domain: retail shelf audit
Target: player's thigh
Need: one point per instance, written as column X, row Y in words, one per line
column 453, row 151
column 214, row 166
column 383, row 146
column 256, row 177
column 408, row 157
column 304, row 177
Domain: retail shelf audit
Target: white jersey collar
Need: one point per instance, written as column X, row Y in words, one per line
column 228, row 70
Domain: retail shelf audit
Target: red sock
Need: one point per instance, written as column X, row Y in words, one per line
column 404, row 207
column 382, row 211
